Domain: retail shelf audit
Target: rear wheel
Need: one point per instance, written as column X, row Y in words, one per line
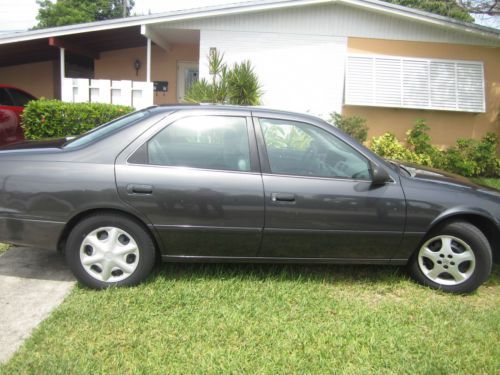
column 110, row 250
column 455, row 258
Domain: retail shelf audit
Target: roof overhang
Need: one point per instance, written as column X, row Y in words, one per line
column 250, row 6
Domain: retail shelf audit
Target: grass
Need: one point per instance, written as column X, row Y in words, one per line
column 3, row 248
column 491, row 182
column 269, row 319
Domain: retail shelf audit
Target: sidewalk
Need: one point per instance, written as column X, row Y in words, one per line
column 33, row 282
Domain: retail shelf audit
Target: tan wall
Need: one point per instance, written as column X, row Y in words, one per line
column 35, row 78
column 119, row 64
column 446, row 127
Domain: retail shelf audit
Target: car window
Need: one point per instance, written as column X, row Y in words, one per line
column 20, row 98
column 296, row 148
column 5, row 97
column 208, row 142
column 105, row 129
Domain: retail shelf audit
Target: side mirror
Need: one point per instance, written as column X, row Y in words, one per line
column 379, row 175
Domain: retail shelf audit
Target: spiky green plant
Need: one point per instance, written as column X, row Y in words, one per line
column 237, row 85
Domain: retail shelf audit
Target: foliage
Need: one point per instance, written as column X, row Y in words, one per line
column 236, row 85
column 282, row 136
column 468, row 157
column 388, row 146
column 447, row 8
column 355, row 126
column 471, row 157
column 69, row 12
column 53, row 118
column 268, row 319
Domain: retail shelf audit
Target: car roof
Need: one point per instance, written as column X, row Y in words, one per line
column 211, row 106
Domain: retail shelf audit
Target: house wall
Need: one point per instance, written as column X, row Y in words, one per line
column 446, row 126
column 35, row 78
column 119, row 65
column 302, row 73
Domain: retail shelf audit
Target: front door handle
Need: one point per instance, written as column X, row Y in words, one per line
column 283, row 197
column 139, row 189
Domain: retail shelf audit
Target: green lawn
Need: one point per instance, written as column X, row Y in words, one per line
column 269, row 319
column 491, row 182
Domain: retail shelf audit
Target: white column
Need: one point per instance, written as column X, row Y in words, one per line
column 62, row 69
column 148, row 61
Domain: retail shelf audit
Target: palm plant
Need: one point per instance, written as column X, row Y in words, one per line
column 237, row 85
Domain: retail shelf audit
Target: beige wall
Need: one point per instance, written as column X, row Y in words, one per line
column 119, row 64
column 35, row 78
column 446, row 126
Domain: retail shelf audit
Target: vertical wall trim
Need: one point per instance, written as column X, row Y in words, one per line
column 148, row 61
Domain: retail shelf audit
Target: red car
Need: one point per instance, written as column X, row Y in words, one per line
column 12, row 102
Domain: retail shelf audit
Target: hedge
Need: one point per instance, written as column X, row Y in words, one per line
column 53, row 119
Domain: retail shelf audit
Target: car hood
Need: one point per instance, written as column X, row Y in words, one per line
column 442, row 177
column 35, row 145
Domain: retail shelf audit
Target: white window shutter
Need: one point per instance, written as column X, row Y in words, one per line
column 470, row 79
column 416, row 84
column 359, row 80
column 388, row 82
column 443, row 85
column 399, row 82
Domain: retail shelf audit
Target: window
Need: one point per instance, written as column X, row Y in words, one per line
column 5, row 97
column 296, row 148
column 385, row 81
column 105, row 129
column 208, row 142
column 21, row 98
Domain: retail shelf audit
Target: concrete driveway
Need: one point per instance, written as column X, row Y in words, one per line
column 33, row 282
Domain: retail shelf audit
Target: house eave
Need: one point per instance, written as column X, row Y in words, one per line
column 247, row 7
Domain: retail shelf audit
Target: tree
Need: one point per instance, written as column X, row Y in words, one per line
column 447, row 8
column 236, row 85
column 68, row 12
column 488, row 7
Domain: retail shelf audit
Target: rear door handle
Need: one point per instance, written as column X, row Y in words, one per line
column 139, row 189
column 283, row 197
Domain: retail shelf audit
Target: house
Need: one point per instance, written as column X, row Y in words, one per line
column 387, row 63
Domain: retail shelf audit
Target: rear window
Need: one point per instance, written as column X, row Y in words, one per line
column 21, row 98
column 106, row 129
column 5, row 97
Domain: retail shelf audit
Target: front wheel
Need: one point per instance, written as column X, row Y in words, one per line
column 455, row 258
column 109, row 250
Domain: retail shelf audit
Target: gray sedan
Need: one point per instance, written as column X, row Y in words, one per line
column 238, row 184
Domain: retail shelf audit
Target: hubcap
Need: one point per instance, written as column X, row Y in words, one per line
column 446, row 260
column 109, row 254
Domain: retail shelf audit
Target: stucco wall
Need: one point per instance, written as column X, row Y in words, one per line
column 35, row 78
column 446, row 127
column 119, row 64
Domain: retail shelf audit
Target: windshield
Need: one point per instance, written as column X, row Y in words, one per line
column 105, row 129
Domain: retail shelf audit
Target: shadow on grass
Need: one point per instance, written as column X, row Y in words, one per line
column 359, row 274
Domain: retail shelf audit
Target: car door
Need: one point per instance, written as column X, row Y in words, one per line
column 197, row 180
column 9, row 118
column 319, row 199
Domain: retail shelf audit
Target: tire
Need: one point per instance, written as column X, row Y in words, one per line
column 455, row 258
column 106, row 250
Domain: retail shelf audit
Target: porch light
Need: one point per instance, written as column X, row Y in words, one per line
column 137, row 66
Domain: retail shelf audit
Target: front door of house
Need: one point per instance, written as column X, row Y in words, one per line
column 187, row 74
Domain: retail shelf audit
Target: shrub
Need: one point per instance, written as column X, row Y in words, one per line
column 469, row 157
column 237, row 85
column 388, row 146
column 353, row 125
column 53, row 118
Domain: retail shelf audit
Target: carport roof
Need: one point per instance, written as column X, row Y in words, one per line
column 30, row 46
